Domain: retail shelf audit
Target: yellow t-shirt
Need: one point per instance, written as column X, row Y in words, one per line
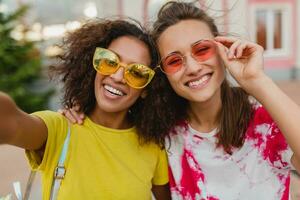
column 101, row 163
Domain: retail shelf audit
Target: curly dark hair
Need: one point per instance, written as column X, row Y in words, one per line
column 75, row 69
column 166, row 109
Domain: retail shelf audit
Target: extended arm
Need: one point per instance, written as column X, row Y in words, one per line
column 19, row 128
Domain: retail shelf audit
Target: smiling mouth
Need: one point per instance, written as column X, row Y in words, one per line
column 200, row 82
column 113, row 90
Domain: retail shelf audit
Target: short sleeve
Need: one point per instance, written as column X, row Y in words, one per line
column 275, row 149
column 161, row 173
column 57, row 129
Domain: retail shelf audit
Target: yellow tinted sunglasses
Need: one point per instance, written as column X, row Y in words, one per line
column 136, row 75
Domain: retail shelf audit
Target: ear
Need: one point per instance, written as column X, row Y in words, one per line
column 144, row 94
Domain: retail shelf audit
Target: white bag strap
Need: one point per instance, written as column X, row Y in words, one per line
column 29, row 185
column 60, row 171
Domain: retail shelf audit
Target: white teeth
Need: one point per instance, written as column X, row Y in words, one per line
column 113, row 90
column 198, row 82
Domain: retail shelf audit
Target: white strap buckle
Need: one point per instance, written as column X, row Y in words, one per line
column 59, row 172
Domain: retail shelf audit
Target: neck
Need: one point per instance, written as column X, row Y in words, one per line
column 114, row 120
column 205, row 116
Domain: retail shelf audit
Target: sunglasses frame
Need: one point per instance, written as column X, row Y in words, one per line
column 183, row 57
column 151, row 72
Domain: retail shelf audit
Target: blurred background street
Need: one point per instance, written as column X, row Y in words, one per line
column 30, row 30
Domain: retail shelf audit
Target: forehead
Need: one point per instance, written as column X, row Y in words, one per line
column 182, row 35
column 130, row 49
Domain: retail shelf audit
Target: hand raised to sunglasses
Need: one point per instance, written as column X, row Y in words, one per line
column 243, row 59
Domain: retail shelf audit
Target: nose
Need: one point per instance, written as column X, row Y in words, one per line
column 118, row 76
column 191, row 65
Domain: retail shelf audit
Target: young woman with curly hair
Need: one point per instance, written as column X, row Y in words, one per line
column 221, row 144
column 105, row 69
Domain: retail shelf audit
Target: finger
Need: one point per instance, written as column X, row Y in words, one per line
column 81, row 116
column 231, row 42
column 232, row 50
column 225, row 40
column 240, row 49
column 78, row 112
column 223, row 53
column 249, row 48
column 70, row 117
column 76, row 115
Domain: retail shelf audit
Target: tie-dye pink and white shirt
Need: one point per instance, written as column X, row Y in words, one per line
column 259, row 170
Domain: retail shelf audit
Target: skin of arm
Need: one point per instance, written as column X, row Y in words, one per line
column 284, row 112
column 244, row 60
column 161, row 192
column 19, row 128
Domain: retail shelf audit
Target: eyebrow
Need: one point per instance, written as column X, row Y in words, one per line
column 198, row 42
column 172, row 53
column 114, row 53
column 131, row 62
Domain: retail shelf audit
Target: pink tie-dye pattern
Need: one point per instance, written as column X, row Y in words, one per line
column 191, row 175
column 271, row 147
column 275, row 143
column 286, row 192
column 172, row 181
column 182, row 124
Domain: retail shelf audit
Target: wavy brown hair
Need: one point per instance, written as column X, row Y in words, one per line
column 166, row 108
column 75, row 69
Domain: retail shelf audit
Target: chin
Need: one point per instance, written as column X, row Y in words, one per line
column 201, row 98
column 111, row 108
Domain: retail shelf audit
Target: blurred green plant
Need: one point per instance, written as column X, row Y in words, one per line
column 20, row 65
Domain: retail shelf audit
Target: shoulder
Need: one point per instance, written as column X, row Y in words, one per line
column 53, row 120
column 262, row 125
column 261, row 115
column 48, row 115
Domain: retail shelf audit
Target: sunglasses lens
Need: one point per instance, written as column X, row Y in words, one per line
column 138, row 76
column 172, row 63
column 105, row 62
column 107, row 66
column 203, row 50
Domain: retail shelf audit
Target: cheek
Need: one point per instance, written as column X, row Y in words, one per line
column 98, row 82
column 174, row 81
column 171, row 79
column 221, row 70
column 98, row 79
column 218, row 66
column 135, row 94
